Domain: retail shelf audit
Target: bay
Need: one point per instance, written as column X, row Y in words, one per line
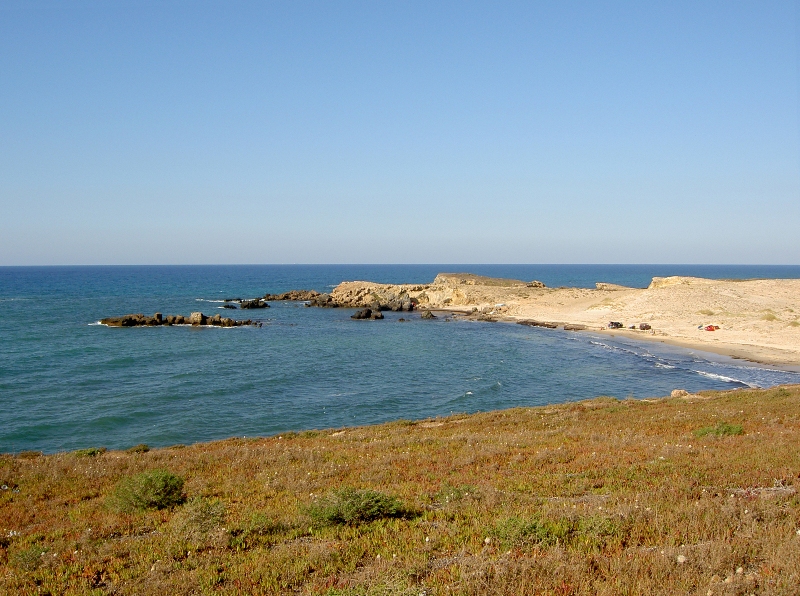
column 68, row 383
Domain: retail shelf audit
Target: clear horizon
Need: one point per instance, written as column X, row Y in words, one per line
column 457, row 133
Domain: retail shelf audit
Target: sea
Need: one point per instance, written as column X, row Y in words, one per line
column 67, row 382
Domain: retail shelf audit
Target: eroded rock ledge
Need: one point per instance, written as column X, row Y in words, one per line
column 195, row 319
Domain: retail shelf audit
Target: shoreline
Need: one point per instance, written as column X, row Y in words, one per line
column 756, row 320
column 735, row 353
column 730, row 351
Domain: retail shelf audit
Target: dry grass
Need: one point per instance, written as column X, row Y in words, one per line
column 597, row 497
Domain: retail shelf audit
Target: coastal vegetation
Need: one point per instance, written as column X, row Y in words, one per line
column 694, row 494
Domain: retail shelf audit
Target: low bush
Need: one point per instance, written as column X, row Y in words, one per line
column 259, row 530
column 720, row 430
column 140, row 448
column 90, row 452
column 351, row 507
column 451, row 494
column 198, row 521
column 156, row 489
column 514, row 531
column 30, row 558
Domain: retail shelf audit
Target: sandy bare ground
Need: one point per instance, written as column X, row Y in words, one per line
column 758, row 320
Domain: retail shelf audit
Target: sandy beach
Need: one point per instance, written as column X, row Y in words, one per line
column 758, row 320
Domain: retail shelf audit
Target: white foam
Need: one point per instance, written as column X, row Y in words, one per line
column 660, row 365
column 723, row 378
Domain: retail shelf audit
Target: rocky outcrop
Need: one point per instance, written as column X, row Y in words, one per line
column 532, row 323
column 255, row 303
column 367, row 313
column 196, row 319
column 293, row 295
column 678, row 280
column 428, row 315
column 574, row 327
column 600, row 285
column 383, row 296
column 323, row 301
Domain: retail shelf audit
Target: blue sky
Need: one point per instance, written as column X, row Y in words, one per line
column 388, row 132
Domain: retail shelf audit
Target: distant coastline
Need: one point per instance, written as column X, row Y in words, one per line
column 756, row 320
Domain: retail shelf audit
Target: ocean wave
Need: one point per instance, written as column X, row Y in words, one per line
column 724, row 378
column 207, row 300
column 601, row 344
column 631, row 351
column 662, row 365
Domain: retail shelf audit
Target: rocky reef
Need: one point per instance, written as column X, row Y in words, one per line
column 195, row 319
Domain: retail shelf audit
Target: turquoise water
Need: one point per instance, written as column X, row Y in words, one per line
column 67, row 383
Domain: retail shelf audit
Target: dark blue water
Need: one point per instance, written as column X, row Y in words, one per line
column 66, row 383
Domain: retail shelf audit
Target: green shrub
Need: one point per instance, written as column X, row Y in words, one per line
column 90, row 452
column 156, row 489
column 259, row 530
column 30, row 558
column 514, row 531
column 350, row 506
column 450, row 494
column 198, row 520
column 140, row 448
column 720, row 430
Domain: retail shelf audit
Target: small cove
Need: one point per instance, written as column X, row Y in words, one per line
column 67, row 383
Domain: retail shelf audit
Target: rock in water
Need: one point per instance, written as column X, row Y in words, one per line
column 196, row 318
column 293, row 295
column 322, row 300
column 428, row 315
column 255, row 303
column 367, row 313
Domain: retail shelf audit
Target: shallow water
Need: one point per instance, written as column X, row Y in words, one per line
column 67, row 383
